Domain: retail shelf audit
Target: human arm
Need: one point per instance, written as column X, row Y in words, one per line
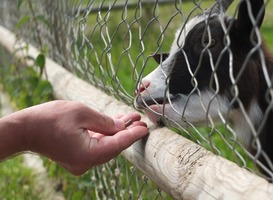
column 70, row 133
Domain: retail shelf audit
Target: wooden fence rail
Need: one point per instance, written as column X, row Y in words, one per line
column 180, row 167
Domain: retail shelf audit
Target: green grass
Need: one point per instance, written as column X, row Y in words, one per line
column 25, row 88
column 117, row 178
column 17, row 181
column 23, row 84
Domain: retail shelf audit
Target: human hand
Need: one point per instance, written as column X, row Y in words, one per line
column 76, row 136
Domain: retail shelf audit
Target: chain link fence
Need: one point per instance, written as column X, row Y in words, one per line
column 111, row 45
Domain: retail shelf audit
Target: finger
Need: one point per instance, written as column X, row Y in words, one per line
column 99, row 122
column 131, row 125
column 118, row 116
column 106, row 148
column 111, row 146
column 131, row 116
column 99, row 135
column 115, row 124
column 136, row 123
column 131, row 135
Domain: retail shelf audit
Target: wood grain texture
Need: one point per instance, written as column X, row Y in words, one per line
column 180, row 167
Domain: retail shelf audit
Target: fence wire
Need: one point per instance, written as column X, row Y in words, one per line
column 111, row 44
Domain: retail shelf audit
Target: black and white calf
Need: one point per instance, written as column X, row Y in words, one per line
column 218, row 69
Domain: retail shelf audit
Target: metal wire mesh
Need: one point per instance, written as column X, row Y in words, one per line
column 111, row 44
column 149, row 30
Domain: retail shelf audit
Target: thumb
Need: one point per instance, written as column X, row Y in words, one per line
column 101, row 123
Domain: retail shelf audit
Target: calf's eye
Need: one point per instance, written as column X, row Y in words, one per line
column 208, row 43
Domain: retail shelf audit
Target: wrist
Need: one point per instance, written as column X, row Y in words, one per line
column 12, row 133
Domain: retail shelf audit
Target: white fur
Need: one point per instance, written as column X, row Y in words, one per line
column 157, row 78
column 181, row 35
column 243, row 124
column 198, row 109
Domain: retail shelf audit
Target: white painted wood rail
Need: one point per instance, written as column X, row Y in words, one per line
column 180, row 167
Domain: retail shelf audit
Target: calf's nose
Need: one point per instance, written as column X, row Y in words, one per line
column 142, row 87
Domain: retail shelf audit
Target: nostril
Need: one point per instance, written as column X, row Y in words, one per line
column 142, row 86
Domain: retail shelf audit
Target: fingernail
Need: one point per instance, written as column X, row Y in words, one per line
column 129, row 122
column 119, row 124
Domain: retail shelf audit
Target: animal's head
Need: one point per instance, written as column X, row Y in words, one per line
column 200, row 76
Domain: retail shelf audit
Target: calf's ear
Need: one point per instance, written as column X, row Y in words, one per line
column 250, row 10
column 160, row 57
